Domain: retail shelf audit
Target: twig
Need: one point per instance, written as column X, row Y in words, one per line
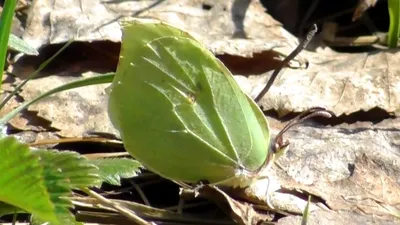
column 128, row 213
column 140, row 192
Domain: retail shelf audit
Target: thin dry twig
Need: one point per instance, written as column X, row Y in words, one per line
column 129, row 214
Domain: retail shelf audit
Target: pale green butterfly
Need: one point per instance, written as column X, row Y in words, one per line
column 181, row 113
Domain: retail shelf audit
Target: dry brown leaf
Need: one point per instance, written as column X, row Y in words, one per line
column 331, row 164
column 368, row 190
column 344, row 83
column 74, row 112
column 216, row 23
column 25, row 120
column 337, row 218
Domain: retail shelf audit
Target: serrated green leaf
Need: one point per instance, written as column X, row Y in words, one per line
column 111, row 170
column 22, row 181
column 73, row 167
column 42, row 184
column 58, row 187
column 64, row 171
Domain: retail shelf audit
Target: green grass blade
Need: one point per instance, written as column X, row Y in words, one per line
column 6, row 20
column 17, row 44
column 394, row 27
column 306, row 212
column 33, row 75
column 100, row 79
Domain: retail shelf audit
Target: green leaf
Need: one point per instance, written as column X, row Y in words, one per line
column 72, row 167
column 40, row 181
column 306, row 212
column 64, row 171
column 17, row 44
column 7, row 209
column 22, row 182
column 58, row 187
column 6, row 21
column 394, row 26
column 111, row 170
column 180, row 112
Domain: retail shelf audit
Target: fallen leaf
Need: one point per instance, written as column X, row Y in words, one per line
column 74, row 112
column 216, row 24
column 354, row 170
column 344, row 83
column 337, row 218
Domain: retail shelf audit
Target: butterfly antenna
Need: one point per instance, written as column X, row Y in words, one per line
column 311, row 113
column 279, row 144
column 286, row 61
